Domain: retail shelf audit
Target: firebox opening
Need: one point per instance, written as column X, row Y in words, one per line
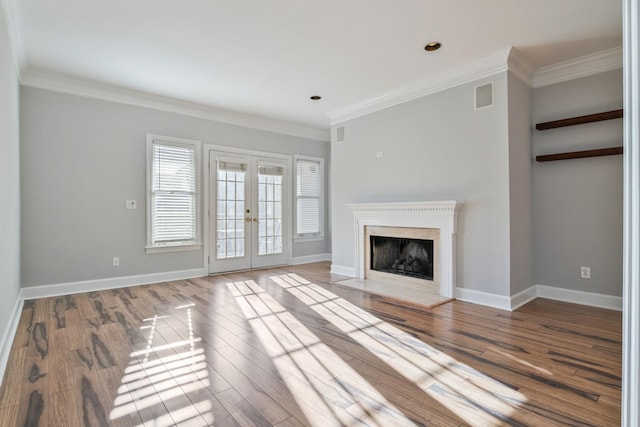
column 407, row 257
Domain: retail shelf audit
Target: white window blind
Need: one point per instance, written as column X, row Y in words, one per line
column 309, row 197
column 173, row 194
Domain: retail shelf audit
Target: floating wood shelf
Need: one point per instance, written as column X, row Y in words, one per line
column 590, row 118
column 580, row 154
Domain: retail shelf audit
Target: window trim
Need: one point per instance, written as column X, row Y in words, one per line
column 320, row 235
column 197, row 148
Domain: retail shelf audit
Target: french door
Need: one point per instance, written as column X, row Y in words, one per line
column 248, row 211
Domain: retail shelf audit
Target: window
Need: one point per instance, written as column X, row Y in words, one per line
column 309, row 197
column 172, row 194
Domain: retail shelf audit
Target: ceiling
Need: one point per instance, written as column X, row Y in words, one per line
column 266, row 58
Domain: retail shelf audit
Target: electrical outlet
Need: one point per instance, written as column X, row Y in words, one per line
column 116, row 261
column 585, row 272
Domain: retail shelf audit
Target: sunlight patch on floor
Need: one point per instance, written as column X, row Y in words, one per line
column 519, row 360
column 469, row 394
column 327, row 390
column 161, row 380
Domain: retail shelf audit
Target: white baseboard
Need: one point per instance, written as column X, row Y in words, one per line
column 9, row 334
column 343, row 271
column 309, row 259
column 539, row 291
column 110, row 283
column 483, row 298
column 579, row 297
column 521, row 298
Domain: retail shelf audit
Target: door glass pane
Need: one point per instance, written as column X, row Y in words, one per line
column 270, row 181
column 230, row 210
column 239, row 228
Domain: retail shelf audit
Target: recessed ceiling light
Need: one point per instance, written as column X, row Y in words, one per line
column 315, row 98
column 433, row 46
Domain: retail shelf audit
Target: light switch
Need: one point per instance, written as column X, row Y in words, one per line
column 131, row 204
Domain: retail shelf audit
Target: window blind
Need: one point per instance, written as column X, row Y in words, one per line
column 308, row 197
column 173, row 194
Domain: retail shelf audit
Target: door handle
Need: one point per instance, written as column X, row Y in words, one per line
column 256, row 220
column 247, row 219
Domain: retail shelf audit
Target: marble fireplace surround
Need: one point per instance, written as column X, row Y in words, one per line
column 441, row 215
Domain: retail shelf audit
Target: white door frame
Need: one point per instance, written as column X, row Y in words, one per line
column 631, row 277
column 206, row 218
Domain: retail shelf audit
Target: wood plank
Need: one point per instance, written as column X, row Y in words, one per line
column 589, row 118
column 600, row 152
column 63, row 408
column 241, row 410
column 323, row 355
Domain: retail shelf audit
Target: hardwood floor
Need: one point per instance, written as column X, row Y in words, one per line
column 287, row 347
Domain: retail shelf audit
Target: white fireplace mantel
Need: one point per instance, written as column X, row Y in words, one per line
column 440, row 215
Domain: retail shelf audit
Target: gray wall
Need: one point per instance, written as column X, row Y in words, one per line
column 520, row 185
column 82, row 158
column 9, row 181
column 435, row 148
column 578, row 203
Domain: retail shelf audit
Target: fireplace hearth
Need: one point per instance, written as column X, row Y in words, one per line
column 403, row 256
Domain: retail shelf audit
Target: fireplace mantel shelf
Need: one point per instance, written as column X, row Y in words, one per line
column 405, row 206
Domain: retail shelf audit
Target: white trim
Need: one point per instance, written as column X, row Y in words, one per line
column 588, row 65
column 58, row 289
column 255, row 153
column 432, row 214
column 539, row 291
column 173, row 248
column 521, row 298
column 309, row 239
column 519, row 66
column 579, row 297
column 49, row 80
column 343, row 271
column 483, row 298
column 309, row 259
column 467, row 73
column 207, row 215
column 9, row 335
column 12, row 14
column 508, row 59
column 631, row 268
column 197, row 150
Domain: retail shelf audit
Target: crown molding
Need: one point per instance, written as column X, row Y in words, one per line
column 588, row 65
column 56, row 82
column 467, row 73
column 509, row 59
column 11, row 9
column 520, row 67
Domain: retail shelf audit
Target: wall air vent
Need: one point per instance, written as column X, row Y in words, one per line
column 484, row 96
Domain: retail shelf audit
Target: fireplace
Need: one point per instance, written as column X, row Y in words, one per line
column 408, row 222
column 402, row 256
column 415, row 251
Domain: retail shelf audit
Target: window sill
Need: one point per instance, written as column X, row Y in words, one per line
column 176, row 248
column 308, row 239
